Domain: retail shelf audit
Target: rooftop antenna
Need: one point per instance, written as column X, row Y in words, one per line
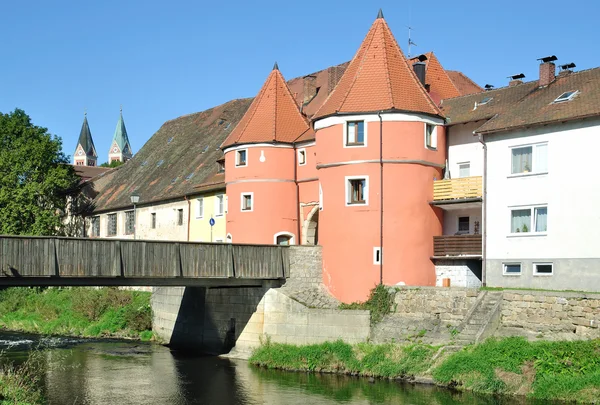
column 410, row 42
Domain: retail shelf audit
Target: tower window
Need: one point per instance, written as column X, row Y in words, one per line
column 355, row 133
column 302, row 157
column 357, row 190
column 241, row 158
column 247, row 201
column 430, row 136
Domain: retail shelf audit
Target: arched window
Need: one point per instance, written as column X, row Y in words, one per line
column 284, row 238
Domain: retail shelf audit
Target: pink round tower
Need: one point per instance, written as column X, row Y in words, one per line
column 260, row 167
column 380, row 143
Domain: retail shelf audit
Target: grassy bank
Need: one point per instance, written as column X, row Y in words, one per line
column 20, row 384
column 86, row 312
column 568, row 371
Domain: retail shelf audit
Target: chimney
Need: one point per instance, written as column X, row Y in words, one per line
column 547, row 70
column 566, row 69
column 419, row 68
column 516, row 79
column 310, row 88
column 334, row 74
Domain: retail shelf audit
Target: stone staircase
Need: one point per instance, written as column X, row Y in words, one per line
column 483, row 319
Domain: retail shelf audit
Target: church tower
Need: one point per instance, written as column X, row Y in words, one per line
column 85, row 153
column 120, row 148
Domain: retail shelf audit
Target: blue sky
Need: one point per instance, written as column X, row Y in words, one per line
column 161, row 60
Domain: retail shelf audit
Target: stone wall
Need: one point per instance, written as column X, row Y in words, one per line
column 449, row 305
column 550, row 315
column 305, row 266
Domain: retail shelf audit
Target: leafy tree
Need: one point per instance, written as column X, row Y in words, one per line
column 113, row 164
column 35, row 178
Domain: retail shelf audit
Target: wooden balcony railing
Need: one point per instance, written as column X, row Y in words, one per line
column 455, row 189
column 457, row 245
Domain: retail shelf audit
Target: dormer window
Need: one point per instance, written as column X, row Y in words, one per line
column 221, row 166
column 566, row 96
column 241, row 157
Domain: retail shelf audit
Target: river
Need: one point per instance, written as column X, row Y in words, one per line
column 91, row 372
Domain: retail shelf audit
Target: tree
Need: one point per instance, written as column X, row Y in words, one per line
column 113, row 164
column 35, row 178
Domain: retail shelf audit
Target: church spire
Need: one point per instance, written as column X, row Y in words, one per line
column 85, row 152
column 120, row 148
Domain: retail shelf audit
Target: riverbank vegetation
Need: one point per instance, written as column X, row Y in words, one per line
column 568, row 371
column 77, row 311
column 21, row 384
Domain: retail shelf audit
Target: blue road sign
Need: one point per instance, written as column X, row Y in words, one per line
column 212, row 222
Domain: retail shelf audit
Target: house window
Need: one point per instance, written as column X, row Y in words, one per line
column 529, row 159
column 377, row 255
column 430, row 136
column 91, row 163
column 153, row 220
column 355, row 133
column 111, row 224
column 463, row 225
column 529, row 220
column 284, row 239
column 200, row 208
column 542, row 269
column 512, row 269
column 220, row 205
column 302, row 157
column 357, row 190
column 79, row 163
column 129, row 222
column 241, row 157
column 96, row 226
column 220, row 166
column 180, row 217
column 247, row 201
column 464, row 169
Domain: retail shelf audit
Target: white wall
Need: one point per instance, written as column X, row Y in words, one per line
column 571, row 189
column 451, row 220
column 463, row 146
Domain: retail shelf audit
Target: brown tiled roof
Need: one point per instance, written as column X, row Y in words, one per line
column 527, row 104
column 378, row 78
column 88, row 172
column 463, row 83
column 440, row 85
column 215, row 182
column 273, row 116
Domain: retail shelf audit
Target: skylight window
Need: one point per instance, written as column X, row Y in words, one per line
column 205, row 149
column 174, row 180
column 566, row 96
column 486, row 100
column 227, row 127
column 189, row 176
column 170, row 139
column 144, row 163
column 221, row 122
column 160, row 162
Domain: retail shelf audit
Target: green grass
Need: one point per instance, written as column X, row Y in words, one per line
column 380, row 303
column 568, row 371
column 88, row 312
column 21, row 384
column 386, row 360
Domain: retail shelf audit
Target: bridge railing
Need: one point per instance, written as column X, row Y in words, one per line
column 24, row 256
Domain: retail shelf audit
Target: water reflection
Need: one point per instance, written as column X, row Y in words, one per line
column 88, row 372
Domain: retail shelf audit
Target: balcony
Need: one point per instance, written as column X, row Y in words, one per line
column 457, row 246
column 465, row 190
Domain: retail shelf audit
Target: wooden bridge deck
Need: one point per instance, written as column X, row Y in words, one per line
column 56, row 261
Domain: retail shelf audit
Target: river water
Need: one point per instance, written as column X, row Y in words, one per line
column 104, row 372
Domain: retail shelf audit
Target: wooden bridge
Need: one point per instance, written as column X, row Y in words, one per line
column 56, row 261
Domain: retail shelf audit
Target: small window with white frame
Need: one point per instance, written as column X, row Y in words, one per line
column 241, row 157
column 529, row 159
column 464, row 169
column 377, row 258
column 529, row 220
column 511, row 269
column 247, row 202
column 566, row 96
column 355, row 134
column 301, row 157
column 199, row 208
column 543, row 269
column 430, row 136
column 96, row 226
column 219, row 205
column 357, row 190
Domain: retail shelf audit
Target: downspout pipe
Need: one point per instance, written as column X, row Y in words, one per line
column 484, row 214
column 380, row 198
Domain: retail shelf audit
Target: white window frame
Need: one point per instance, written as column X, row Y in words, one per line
column 347, row 191
column 95, row 220
column 108, row 217
column 564, row 100
column 504, row 273
column 237, row 157
column 434, row 133
column 535, row 270
column 200, row 208
column 246, row 194
column 301, row 152
column 534, row 164
column 129, row 214
column 532, row 221
column 459, row 168
column 284, row 233
column 377, row 250
column 345, row 135
column 219, row 213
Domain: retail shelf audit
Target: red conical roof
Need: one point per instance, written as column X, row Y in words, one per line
column 378, row 78
column 273, row 116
